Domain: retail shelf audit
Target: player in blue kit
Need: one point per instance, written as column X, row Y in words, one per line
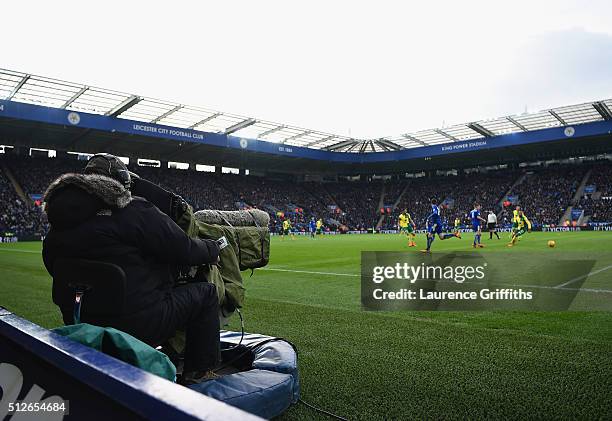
column 475, row 218
column 312, row 225
column 434, row 226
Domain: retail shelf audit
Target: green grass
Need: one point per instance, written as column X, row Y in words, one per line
column 402, row 365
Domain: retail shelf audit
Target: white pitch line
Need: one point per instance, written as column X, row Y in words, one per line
column 433, row 280
column 311, row 272
column 19, row 250
column 580, row 278
column 563, row 288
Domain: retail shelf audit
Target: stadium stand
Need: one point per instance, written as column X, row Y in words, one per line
column 358, row 202
column 393, row 190
column 36, row 173
column 16, row 216
column 457, row 193
column 544, row 194
column 200, row 189
column 597, row 204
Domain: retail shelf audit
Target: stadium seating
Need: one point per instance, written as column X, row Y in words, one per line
column 598, row 204
column 357, row 201
column 16, row 216
column 457, row 193
column 544, row 194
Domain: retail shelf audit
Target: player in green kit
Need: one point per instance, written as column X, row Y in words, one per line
column 287, row 229
column 407, row 226
column 319, row 226
column 520, row 225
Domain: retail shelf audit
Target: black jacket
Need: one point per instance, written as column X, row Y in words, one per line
column 94, row 217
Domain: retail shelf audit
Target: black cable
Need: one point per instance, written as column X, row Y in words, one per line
column 322, row 411
column 241, row 335
column 241, row 327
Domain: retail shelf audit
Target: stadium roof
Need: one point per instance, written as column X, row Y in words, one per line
column 27, row 88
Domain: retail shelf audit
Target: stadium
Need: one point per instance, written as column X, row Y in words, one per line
column 524, row 200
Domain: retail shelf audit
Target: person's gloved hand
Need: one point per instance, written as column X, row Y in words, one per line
column 213, row 251
column 178, row 207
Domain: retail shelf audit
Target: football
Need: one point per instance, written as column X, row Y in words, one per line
column 551, row 243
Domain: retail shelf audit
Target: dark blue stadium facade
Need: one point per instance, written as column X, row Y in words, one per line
column 165, row 141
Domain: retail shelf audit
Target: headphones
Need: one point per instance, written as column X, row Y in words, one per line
column 113, row 167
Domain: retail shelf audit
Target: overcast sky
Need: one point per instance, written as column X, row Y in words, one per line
column 368, row 69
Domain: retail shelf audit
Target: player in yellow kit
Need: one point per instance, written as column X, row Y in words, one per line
column 319, row 226
column 287, row 229
column 407, row 226
column 457, row 224
column 520, row 225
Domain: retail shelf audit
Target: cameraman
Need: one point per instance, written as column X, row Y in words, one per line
column 93, row 216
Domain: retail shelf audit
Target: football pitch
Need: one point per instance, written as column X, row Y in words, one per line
column 403, row 365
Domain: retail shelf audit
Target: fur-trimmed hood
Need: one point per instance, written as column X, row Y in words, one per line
column 108, row 190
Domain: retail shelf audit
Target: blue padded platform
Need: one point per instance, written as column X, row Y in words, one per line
column 271, row 384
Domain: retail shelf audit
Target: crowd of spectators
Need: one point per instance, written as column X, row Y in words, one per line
column 545, row 194
column 200, row 189
column 393, row 190
column 597, row 205
column 357, row 202
column 355, row 205
column 203, row 190
column 599, row 210
column 16, row 216
column 36, row 173
column 455, row 194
